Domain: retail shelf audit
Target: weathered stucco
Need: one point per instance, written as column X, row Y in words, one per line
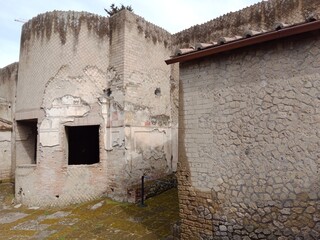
column 249, row 119
column 249, row 142
column 140, row 117
column 92, row 71
column 83, row 46
column 65, row 55
column 8, row 81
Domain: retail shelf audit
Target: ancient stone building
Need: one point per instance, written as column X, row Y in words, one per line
column 249, row 116
column 8, row 77
column 249, row 124
column 93, row 110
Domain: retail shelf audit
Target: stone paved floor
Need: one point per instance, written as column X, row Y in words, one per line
column 99, row 219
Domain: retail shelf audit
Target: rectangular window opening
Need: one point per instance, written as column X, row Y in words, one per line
column 26, row 147
column 83, row 144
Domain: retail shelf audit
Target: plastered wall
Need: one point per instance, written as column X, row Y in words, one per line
column 8, row 79
column 64, row 72
column 91, row 70
column 147, row 100
column 249, row 143
column 140, row 117
column 58, row 44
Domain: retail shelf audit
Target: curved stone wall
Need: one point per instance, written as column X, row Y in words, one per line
column 63, row 73
column 57, row 42
column 79, row 70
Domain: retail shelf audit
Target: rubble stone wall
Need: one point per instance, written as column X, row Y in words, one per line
column 249, row 149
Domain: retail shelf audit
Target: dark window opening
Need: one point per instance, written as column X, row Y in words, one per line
column 26, row 148
column 83, row 144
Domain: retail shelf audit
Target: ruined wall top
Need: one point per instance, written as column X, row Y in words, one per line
column 8, row 79
column 148, row 29
column 44, row 25
column 260, row 16
column 8, row 72
column 56, row 41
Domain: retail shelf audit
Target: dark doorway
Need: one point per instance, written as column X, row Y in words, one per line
column 83, row 144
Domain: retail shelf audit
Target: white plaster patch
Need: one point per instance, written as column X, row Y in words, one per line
column 148, row 139
column 49, row 138
column 55, row 123
column 68, row 106
column 66, row 120
column 5, row 111
column 45, row 124
column 49, row 134
column 114, row 138
column 5, row 136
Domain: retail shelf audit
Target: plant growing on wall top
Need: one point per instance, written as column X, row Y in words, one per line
column 115, row 9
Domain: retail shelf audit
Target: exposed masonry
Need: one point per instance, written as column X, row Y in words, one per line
column 107, row 73
column 249, row 155
column 249, row 142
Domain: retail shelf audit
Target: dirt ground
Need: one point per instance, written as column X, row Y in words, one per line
column 98, row 219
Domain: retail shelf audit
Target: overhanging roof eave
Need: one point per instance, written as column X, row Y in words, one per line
column 244, row 42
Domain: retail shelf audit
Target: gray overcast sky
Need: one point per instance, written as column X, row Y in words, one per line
column 172, row 15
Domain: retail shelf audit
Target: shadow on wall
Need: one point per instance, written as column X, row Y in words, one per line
column 27, row 135
column 151, row 162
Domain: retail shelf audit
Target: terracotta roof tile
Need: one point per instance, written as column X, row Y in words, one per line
column 224, row 40
column 280, row 30
column 182, row 51
column 200, row 46
column 250, row 33
column 280, row 25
